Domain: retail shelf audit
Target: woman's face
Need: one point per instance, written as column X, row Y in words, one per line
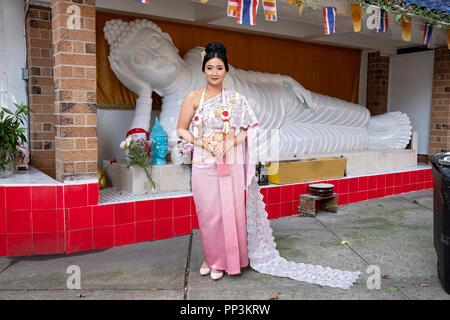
column 215, row 71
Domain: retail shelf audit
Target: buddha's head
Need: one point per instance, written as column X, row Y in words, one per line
column 159, row 149
column 142, row 48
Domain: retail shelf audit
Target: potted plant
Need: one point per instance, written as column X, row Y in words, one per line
column 10, row 136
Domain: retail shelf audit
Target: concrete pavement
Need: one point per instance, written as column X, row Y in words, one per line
column 394, row 233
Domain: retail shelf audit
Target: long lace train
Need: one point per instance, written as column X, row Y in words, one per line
column 265, row 258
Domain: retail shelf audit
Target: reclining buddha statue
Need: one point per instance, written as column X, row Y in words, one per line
column 145, row 59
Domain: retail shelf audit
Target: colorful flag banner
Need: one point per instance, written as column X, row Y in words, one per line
column 356, row 17
column 143, row 1
column 382, row 21
column 232, row 9
column 406, row 28
column 247, row 12
column 427, row 32
column 329, row 20
column 270, row 10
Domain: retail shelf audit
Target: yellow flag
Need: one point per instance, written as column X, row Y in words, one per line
column 292, row 2
column 406, row 28
column 448, row 39
column 356, row 17
column 204, row 1
column 300, row 7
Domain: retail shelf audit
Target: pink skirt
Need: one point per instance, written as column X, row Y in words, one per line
column 220, row 205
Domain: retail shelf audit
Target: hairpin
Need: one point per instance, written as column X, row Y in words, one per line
column 203, row 55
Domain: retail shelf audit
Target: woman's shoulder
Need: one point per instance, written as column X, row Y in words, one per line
column 236, row 93
column 194, row 97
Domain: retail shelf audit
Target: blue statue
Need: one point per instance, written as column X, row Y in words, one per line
column 160, row 147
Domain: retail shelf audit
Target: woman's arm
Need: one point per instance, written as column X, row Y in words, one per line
column 184, row 120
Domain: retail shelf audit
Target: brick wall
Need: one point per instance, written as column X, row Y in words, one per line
column 75, row 90
column 440, row 103
column 40, row 89
column 377, row 83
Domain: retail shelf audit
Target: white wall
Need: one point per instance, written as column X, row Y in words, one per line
column 410, row 87
column 362, row 92
column 12, row 54
column 112, row 126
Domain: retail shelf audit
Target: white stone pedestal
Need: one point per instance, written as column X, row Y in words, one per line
column 167, row 177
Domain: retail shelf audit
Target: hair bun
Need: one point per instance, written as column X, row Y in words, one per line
column 216, row 47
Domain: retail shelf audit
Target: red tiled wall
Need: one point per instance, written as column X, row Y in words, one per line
column 283, row 201
column 67, row 218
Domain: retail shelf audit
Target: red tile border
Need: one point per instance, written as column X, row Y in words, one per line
column 19, row 244
column 163, row 229
column 2, row 221
column 3, row 246
column 145, row 210
column 43, row 197
column 103, row 215
column 181, row 207
column 18, row 222
column 164, row 209
column 45, row 243
column 18, row 198
column 2, row 198
column 123, row 213
column 124, row 234
column 75, row 195
column 44, row 220
column 182, row 226
column 79, row 240
column 145, row 231
column 103, row 237
column 80, row 218
column 92, row 194
column 60, row 219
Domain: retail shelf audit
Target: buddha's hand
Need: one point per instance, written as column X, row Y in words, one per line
column 303, row 95
column 130, row 80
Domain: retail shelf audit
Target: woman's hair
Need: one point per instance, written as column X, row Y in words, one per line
column 215, row 50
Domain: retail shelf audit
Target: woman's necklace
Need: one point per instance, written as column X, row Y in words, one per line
column 222, row 111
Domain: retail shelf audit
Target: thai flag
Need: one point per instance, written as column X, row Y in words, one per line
column 143, row 1
column 329, row 20
column 382, row 21
column 428, row 30
column 247, row 12
column 232, row 8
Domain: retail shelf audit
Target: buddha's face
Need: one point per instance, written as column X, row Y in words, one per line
column 152, row 57
column 159, row 148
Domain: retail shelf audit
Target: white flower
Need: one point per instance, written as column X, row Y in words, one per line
column 126, row 143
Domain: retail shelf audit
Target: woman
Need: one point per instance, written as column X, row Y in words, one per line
column 218, row 182
column 234, row 228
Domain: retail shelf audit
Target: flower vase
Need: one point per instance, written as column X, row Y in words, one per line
column 6, row 163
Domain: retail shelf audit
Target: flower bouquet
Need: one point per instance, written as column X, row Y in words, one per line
column 138, row 153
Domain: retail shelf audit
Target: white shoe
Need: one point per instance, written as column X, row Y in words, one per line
column 204, row 270
column 216, row 275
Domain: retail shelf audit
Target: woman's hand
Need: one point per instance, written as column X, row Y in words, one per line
column 210, row 149
column 223, row 147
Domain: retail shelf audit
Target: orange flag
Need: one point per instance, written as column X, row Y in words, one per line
column 356, row 17
column 406, row 28
column 448, row 39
